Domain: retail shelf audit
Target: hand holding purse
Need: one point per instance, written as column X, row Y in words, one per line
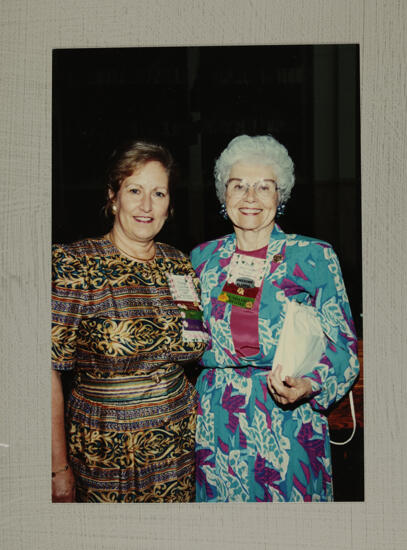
column 301, row 345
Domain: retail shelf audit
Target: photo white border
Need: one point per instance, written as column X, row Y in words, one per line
column 29, row 32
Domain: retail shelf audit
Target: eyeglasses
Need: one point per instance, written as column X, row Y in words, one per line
column 264, row 188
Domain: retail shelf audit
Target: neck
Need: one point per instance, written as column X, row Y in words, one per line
column 252, row 240
column 135, row 250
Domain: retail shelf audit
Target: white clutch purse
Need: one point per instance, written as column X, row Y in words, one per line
column 301, row 345
column 302, row 341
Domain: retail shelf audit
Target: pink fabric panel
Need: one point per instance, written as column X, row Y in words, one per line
column 244, row 323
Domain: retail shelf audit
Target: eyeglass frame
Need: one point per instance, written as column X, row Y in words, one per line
column 251, row 185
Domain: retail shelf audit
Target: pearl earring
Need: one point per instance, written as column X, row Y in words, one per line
column 114, row 209
column 280, row 209
column 223, row 211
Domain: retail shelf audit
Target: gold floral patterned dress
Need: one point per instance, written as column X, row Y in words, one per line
column 131, row 412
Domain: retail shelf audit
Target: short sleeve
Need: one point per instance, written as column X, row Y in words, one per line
column 68, row 303
column 339, row 366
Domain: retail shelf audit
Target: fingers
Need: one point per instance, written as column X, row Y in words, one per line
column 290, row 390
column 276, row 385
column 63, row 497
column 63, row 487
column 270, row 379
column 276, row 381
column 270, row 386
column 275, row 375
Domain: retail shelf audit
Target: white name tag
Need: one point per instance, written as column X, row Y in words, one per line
column 182, row 288
column 246, row 267
column 186, row 298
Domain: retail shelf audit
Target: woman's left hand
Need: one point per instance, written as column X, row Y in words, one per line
column 290, row 390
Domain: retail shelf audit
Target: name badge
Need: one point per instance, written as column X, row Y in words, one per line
column 186, row 298
column 244, row 278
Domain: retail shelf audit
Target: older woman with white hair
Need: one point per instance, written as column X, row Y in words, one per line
column 262, row 436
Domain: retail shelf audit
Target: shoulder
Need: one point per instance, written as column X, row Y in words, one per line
column 301, row 245
column 72, row 261
column 80, row 249
column 311, row 258
column 293, row 239
column 296, row 242
column 204, row 251
column 170, row 252
column 174, row 259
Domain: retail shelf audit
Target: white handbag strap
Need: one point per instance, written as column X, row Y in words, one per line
column 352, row 410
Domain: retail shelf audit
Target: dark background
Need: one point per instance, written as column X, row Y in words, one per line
column 194, row 101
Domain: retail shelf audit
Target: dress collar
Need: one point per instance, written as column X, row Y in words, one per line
column 276, row 234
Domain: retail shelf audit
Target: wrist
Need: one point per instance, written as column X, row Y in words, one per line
column 60, row 470
column 315, row 388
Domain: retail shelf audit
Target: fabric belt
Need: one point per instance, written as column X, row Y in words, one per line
column 163, row 381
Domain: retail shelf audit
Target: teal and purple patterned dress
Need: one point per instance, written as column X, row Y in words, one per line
column 248, row 447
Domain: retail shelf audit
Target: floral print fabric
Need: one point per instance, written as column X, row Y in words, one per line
column 248, row 447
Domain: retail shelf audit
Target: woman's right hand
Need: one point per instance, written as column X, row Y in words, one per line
column 63, row 486
column 63, row 481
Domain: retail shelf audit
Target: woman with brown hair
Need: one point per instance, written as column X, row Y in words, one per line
column 126, row 316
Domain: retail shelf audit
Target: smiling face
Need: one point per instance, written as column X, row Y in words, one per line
column 142, row 204
column 252, row 211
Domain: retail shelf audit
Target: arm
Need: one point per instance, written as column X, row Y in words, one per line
column 338, row 368
column 63, row 482
column 334, row 375
column 67, row 300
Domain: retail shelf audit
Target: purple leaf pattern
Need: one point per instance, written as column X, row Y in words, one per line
column 248, row 447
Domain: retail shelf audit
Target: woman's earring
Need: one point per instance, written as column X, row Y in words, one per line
column 280, row 209
column 114, row 208
column 223, row 212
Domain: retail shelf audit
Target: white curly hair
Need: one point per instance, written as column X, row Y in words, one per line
column 263, row 150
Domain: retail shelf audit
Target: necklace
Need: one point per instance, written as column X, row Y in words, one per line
column 110, row 237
